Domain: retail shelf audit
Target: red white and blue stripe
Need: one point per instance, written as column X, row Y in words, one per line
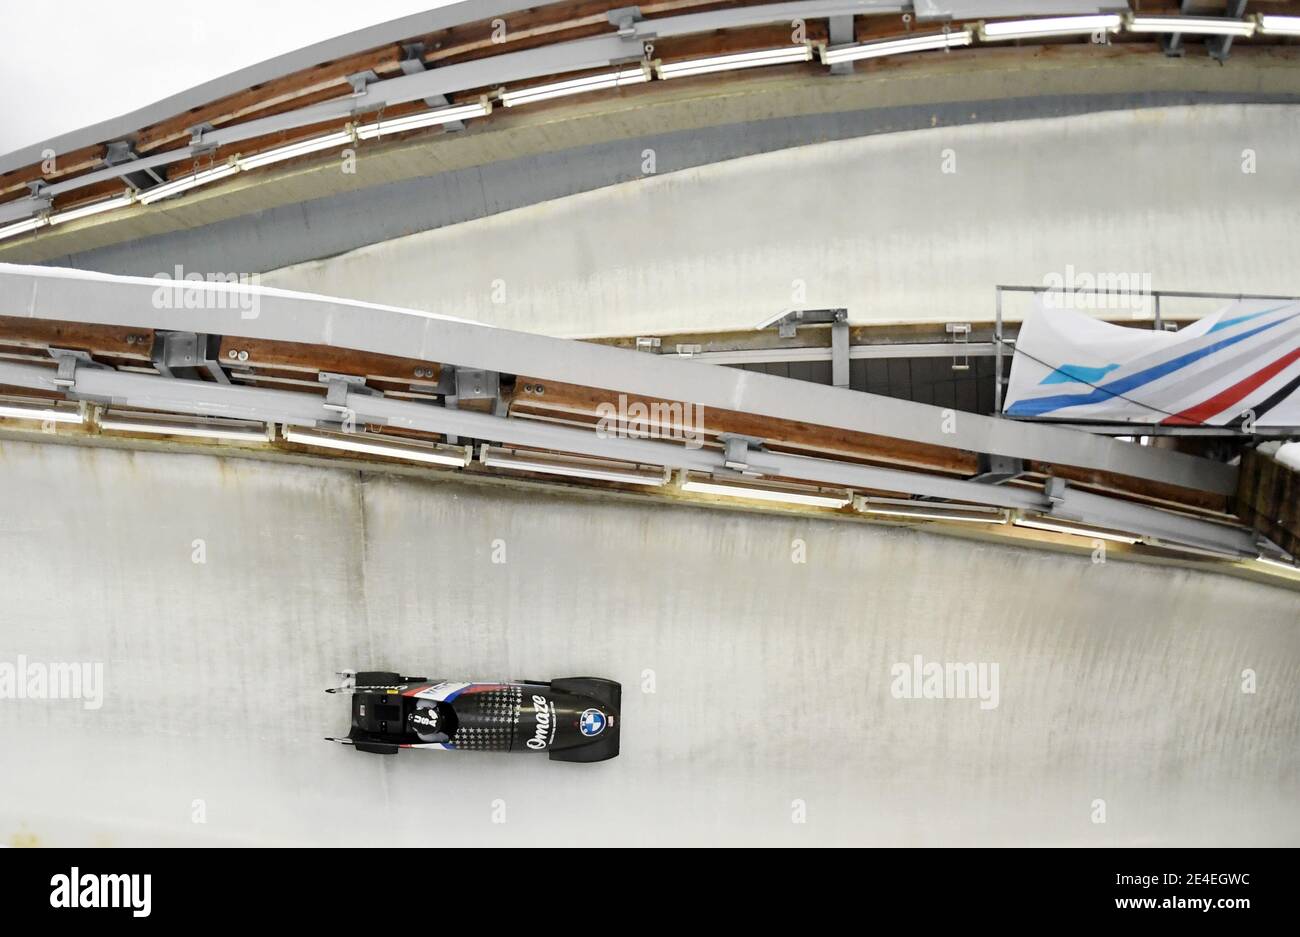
column 1242, row 363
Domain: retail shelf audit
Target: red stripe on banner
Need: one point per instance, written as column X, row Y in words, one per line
column 1197, row 415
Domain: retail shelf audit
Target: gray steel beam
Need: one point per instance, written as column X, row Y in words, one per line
column 29, row 376
column 841, row 32
column 873, row 352
column 595, row 52
column 688, row 23
column 1220, row 46
column 22, row 208
column 340, row 47
column 840, row 353
column 923, row 350
column 1072, row 504
column 840, row 29
column 200, row 398
column 439, row 82
column 562, row 57
column 957, row 10
column 119, row 170
column 256, row 312
column 1172, row 43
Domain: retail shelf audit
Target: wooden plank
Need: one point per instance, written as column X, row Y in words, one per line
column 1137, row 489
column 325, row 81
column 582, row 403
column 316, row 358
column 134, row 344
column 112, row 340
column 65, row 165
column 527, row 29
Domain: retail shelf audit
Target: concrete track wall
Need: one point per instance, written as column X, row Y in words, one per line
column 873, row 223
column 1117, row 681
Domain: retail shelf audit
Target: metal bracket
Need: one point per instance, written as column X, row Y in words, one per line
column 198, row 146
column 440, row 100
column 360, row 81
column 460, row 384
column 788, row 323
column 840, row 349
column 1219, row 46
column 184, row 354
column 960, row 332
column 841, row 33
column 446, row 382
column 1172, row 44
column 736, row 451
column 69, row 360
column 36, row 190
column 625, row 18
column 122, row 153
column 338, row 386
column 118, row 152
column 998, row 469
column 446, row 389
column 688, row 351
column 651, row 344
column 412, row 62
column 475, row 384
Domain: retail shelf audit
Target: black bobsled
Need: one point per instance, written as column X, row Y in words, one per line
column 574, row 719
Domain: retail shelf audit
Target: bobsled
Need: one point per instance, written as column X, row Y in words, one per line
column 571, row 719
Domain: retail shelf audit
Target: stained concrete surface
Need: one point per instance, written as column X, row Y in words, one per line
column 772, row 678
column 899, row 227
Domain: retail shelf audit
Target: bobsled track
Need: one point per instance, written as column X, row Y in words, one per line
column 1118, row 682
column 687, row 345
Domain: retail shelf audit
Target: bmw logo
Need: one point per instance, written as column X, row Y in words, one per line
column 592, row 722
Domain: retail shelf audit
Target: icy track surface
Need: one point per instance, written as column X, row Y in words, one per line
column 771, row 678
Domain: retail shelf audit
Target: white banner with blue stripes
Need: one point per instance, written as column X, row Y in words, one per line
column 1238, row 367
